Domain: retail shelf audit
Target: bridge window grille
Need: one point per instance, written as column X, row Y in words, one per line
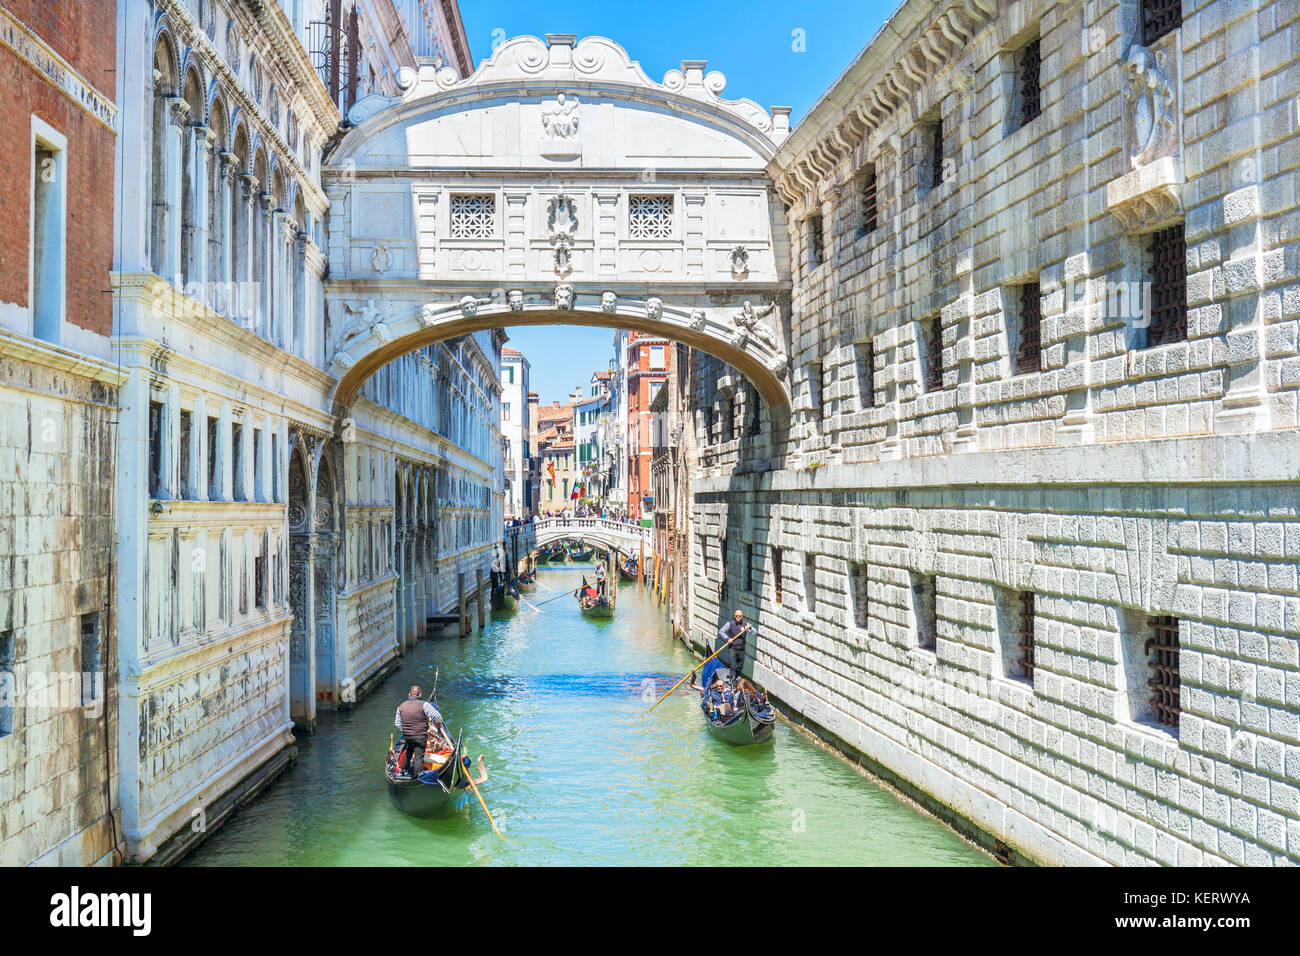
column 1030, row 69
column 1026, row 634
column 650, row 217
column 749, row 568
column 1160, row 17
column 933, row 334
column 473, row 217
column 1162, row 658
column 777, row 574
column 1029, row 357
column 1168, row 272
column 869, row 198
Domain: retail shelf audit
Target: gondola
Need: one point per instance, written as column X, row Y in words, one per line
column 526, row 581
column 542, row 556
column 583, row 554
column 440, row 793
column 752, row 723
column 592, row 606
column 627, row 571
column 503, row 598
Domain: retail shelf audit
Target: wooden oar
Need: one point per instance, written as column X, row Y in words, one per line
column 469, row 779
column 697, row 667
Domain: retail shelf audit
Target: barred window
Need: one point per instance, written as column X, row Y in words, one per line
column 868, row 196
column 1029, row 69
column 1167, row 254
column 1026, row 635
column 650, row 217
column 473, row 217
column 1029, row 356
column 777, row 573
column 923, row 611
column 1160, row 17
column 866, row 367
column 936, row 153
column 933, row 346
column 1162, row 657
column 816, row 245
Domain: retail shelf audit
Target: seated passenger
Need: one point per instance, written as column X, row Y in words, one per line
column 720, row 699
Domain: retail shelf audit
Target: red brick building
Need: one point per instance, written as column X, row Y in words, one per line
column 647, row 371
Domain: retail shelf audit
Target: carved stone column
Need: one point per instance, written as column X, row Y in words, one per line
column 178, row 112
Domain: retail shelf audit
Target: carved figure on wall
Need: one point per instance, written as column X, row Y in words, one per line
column 750, row 319
column 697, row 319
column 564, row 297
column 739, row 261
column 368, row 319
column 1151, row 99
column 381, row 258
column 608, row 302
column 560, row 121
column 654, row 307
column 515, row 299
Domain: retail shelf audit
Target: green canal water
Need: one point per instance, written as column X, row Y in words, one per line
column 580, row 771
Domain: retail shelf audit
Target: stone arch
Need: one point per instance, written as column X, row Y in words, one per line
column 327, row 563
column 302, row 669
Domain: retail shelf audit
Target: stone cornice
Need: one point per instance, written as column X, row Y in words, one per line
column 44, row 59
column 884, row 77
column 42, row 354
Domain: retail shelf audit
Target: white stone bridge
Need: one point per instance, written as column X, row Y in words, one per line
column 615, row 535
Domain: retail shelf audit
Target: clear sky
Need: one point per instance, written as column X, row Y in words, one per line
column 775, row 53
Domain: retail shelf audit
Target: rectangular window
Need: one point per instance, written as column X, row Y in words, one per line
column 1029, row 63
column 92, row 677
column 1167, row 257
column 866, row 369
column 237, row 459
column 868, row 197
column 749, row 568
column 259, row 571
column 1160, row 17
column 187, row 453
column 214, row 459
column 923, row 611
column 722, row 570
column 1029, row 356
column 776, row 573
column 935, row 136
column 729, row 420
column 650, row 217
column 816, row 243
column 157, row 418
column 657, row 358
column 932, row 334
column 258, row 469
column 510, row 375
column 275, row 468
column 473, row 217
column 8, row 690
column 1162, row 658
column 505, row 411
column 826, row 393
column 752, row 402
column 810, row 582
column 48, row 239
column 1015, row 621
column 859, row 579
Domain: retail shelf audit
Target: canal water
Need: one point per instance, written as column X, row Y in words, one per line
column 581, row 772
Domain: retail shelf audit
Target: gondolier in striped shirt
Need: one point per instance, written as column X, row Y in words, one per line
column 414, row 716
column 734, row 656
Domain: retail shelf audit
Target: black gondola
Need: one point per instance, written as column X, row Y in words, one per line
column 439, row 792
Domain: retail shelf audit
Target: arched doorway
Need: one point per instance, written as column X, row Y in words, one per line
column 326, row 561
column 302, row 664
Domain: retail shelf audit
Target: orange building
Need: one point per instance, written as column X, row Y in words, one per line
column 647, row 372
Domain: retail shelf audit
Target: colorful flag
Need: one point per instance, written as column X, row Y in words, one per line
column 550, row 468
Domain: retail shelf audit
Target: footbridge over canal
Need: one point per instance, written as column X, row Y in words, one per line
column 603, row 532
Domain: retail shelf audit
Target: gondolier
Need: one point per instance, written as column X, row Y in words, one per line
column 413, row 718
column 734, row 656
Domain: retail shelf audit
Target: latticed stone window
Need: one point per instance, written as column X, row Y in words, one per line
column 1029, row 65
column 1025, row 645
column 1160, row 17
column 1167, row 254
column 473, row 217
column 650, row 217
column 1029, row 354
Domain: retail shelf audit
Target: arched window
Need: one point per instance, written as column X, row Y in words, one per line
column 217, row 217
column 163, row 89
column 239, row 228
column 257, row 271
column 190, row 252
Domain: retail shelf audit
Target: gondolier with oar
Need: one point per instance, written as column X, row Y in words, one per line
column 734, row 656
column 414, row 715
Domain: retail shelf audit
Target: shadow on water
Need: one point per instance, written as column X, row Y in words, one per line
column 581, row 771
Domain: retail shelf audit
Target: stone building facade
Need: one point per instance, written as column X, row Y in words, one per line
column 58, row 397
column 1032, row 552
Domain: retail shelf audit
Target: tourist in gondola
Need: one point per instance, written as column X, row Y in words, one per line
column 734, row 656
column 414, row 716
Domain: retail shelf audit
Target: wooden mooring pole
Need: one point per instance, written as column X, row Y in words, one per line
column 460, row 602
column 478, row 577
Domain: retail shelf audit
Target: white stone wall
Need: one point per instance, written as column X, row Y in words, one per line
column 1117, row 484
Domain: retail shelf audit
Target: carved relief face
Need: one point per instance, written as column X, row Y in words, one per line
column 697, row 319
column 654, row 307
column 608, row 301
column 469, row 306
column 564, row 296
column 515, row 298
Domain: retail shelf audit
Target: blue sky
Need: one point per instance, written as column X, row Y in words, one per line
column 753, row 44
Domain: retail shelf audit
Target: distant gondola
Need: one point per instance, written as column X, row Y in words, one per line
column 751, row 723
column 542, row 556
column 440, row 792
column 628, row 570
column 502, row 596
column 526, row 581
column 582, row 554
column 591, row 604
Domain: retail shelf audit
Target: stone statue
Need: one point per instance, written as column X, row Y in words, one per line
column 368, row 320
column 608, row 302
column 561, row 120
column 654, row 307
column 515, row 299
column 469, row 306
column 1150, row 97
column 750, row 320
column 697, row 319
column 564, row 297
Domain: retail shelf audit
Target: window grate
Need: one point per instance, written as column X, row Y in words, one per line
column 776, row 573
column 650, row 217
column 473, row 217
column 936, row 154
column 1162, row 658
column 1029, row 355
column 1160, row 17
column 1031, row 62
column 1027, row 635
column 816, row 244
column 1168, row 272
column 934, row 355
column 869, row 197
